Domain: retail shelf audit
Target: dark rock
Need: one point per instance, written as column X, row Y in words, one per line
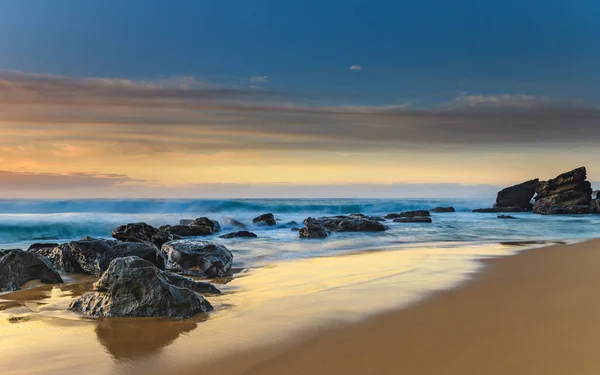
column 569, row 193
column 36, row 246
column 142, row 232
column 291, row 224
column 265, row 219
column 18, row 267
column 443, row 209
column 201, row 226
column 295, row 229
column 353, row 223
column 133, row 287
column 501, row 209
column 240, row 234
column 595, row 206
column 418, row 213
column 506, row 217
column 185, row 221
column 313, row 229
column 235, row 223
column 199, row 258
column 517, row 195
column 413, row 219
column 596, row 194
column 61, row 258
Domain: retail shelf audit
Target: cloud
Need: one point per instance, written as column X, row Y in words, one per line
column 17, row 181
column 355, row 67
column 259, row 79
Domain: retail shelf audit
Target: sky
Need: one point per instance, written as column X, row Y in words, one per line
column 294, row 98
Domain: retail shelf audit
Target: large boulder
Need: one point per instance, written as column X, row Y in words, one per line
column 313, row 228
column 350, row 223
column 133, row 287
column 443, row 209
column 93, row 255
column 142, row 232
column 516, row 198
column 18, row 267
column 197, row 258
column 265, row 219
column 201, row 226
column 568, row 193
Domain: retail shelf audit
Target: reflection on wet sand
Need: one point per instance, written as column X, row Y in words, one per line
column 130, row 339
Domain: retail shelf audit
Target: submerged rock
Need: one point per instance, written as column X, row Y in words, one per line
column 201, row 226
column 568, row 193
column 443, row 209
column 265, row 219
column 413, row 219
column 199, row 258
column 93, row 255
column 240, row 234
column 133, row 287
column 506, row 217
column 350, row 223
column 417, row 213
column 18, row 267
column 313, row 229
column 501, row 209
column 142, row 232
column 234, row 223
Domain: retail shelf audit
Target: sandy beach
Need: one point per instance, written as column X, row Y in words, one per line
column 533, row 313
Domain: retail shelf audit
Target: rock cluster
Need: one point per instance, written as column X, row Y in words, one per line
column 201, row 226
column 133, row 287
column 142, row 232
column 319, row 228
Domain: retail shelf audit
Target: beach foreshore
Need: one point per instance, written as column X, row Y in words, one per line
column 534, row 313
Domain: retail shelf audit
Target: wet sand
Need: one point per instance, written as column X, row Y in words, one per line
column 534, row 313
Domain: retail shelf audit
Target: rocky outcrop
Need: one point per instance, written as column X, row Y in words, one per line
column 265, row 219
column 443, row 209
column 142, row 232
column 413, row 219
column 596, row 194
column 568, row 193
column 595, row 206
column 201, row 226
column 197, row 258
column 234, row 223
column 516, row 198
column 350, row 223
column 133, row 287
column 93, row 255
column 18, row 267
column 313, row 229
column 417, row 213
column 239, row 234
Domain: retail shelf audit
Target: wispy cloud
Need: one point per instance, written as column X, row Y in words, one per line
column 259, row 79
column 355, row 67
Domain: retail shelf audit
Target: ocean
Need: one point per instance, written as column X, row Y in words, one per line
column 23, row 222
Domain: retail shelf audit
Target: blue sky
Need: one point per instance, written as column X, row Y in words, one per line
column 409, row 50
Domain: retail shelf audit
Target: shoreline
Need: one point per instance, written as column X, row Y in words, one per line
column 532, row 313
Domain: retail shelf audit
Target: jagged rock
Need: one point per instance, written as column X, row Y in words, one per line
column 198, row 258
column 18, row 267
column 142, row 232
column 240, row 234
column 36, row 246
column 234, row 223
column 265, row 219
column 596, row 194
column 506, row 217
column 568, row 193
column 353, row 223
column 443, row 209
column 313, row 229
column 201, row 226
column 133, row 287
column 413, row 219
column 93, row 255
column 501, row 209
column 418, row 213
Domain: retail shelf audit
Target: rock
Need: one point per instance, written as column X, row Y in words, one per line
column 501, row 209
column 506, row 217
column 295, row 229
column 265, row 219
column 291, row 224
column 199, row 258
column 349, row 223
column 313, row 229
column 133, row 287
column 234, row 223
column 373, row 218
column 201, row 226
column 36, row 246
column 240, row 234
column 569, row 193
column 596, row 194
column 92, row 255
column 413, row 219
column 595, row 206
column 18, row 267
column 418, row 213
column 443, row 209
column 142, row 232
column 185, row 221
column 517, row 195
